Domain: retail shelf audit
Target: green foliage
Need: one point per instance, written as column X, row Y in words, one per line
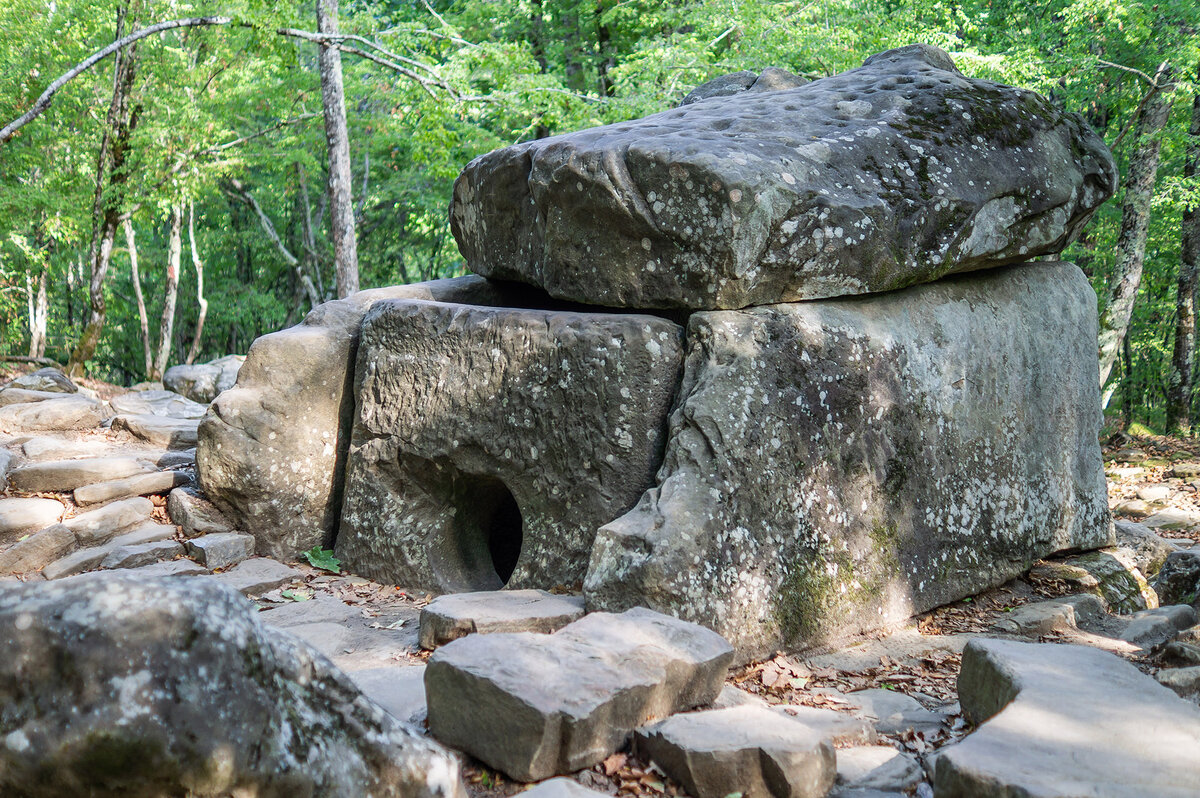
column 323, row 558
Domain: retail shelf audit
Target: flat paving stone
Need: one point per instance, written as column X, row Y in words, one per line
column 170, row 433
column 70, row 412
column 536, row 706
column 398, row 689
column 17, row 396
column 258, row 575
column 90, row 558
column 877, row 767
column 221, row 549
column 179, row 567
column 24, row 516
column 195, row 514
column 457, row 615
column 747, row 749
column 139, row 554
column 838, row 727
column 560, row 788
column 104, row 523
column 1150, row 627
column 65, row 475
column 54, row 447
column 896, row 713
column 140, row 485
column 167, row 404
column 1065, row 721
column 38, row 550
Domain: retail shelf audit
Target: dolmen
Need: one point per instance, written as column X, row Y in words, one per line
column 790, row 361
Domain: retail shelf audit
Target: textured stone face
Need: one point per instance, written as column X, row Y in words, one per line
column 836, row 466
column 882, row 177
column 118, row 685
column 489, row 444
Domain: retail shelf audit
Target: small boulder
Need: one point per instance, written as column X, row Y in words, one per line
column 23, row 516
column 1178, row 580
column 195, row 514
column 457, row 615
column 205, row 381
column 1184, row 682
column 38, row 550
column 221, row 549
column 45, row 379
column 257, row 575
column 70, row 412
column 102, row 524
column 1150, row 550
column 1172, row 518
column 166, row 404
column 167, row 432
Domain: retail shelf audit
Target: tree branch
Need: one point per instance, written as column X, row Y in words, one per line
column 269, row 228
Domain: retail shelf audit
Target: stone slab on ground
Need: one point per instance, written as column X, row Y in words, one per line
column 746, row 749
column 877, row 767
column 65, row 475
column 838, row 727
column 1150, row 550
column 38, row 550
column 221, row 549
column 258, row 575
column 535, row 706
column 181, row 567
column 54, row 447
column 1056, row 615
column 560, row 788
column 398, row 689
column 18, row 396
column 1064, row 720
column 1172, row 518
column 45, row 379
column 103, row 523
column 195, row 514
column 1151, row 627
column 897, row 713
column 167, row 404
column 457, row 615
column 139, row 554
column 1111, row 573
column 170, row 433
column 1184, row 682
column 70, row 412
column 89, row 558
column 867, row 413
column 140, row 485
column 24, row 516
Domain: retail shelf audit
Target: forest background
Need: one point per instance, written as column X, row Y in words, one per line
column 200, row 155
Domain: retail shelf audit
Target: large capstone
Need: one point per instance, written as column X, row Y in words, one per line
column 882, row 177
column 490, row 444
column 839, row 465
column 119, row 685
column 271, row 452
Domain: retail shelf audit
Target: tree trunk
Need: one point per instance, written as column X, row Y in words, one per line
column 106, row 209
column 143, row 319
column 341, row 205
column 166, row 327
column 1180, row 386
column 39, row 312
column 1135, row 221
column 194, row 350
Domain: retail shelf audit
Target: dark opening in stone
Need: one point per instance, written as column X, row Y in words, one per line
column 499, row 523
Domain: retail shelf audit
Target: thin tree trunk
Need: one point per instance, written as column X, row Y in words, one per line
column 269, row 228
column 143, row 319
column 194, row 350
column 1135, row 221
column 166, row 327
column 1180, row 385
column 308, row 233
column 39, row 312
column 337, row 137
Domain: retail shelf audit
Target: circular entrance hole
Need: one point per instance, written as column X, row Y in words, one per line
column 493, row 525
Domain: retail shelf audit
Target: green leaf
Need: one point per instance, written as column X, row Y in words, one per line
column 323, row 558
column 296, row 595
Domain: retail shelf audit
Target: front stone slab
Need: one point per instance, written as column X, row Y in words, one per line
column 490, row 444
column 837, row 466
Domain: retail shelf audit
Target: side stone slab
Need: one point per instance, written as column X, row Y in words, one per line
column 836, row 466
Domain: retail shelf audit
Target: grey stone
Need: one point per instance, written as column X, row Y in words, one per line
column 171, row 433
column 1111, row 574
column 1186, row 470
column 489, row 444
column 1056, row 615
column 38, row 550
column 171, row 568
column 140, row 485
column 6, row 462
column 1172, row 518
column 399, row 690
column 560, row 788
column 45, row 379
column 257, row 575
column 183, row 458
column 1154, row 493
column 69, row 412
column 897, row 713
column 771, row 79
column 103, row 523
column 1134, row 508
column 221, row 549
column 731, row 696
column 1178, row 580
column 272, row 452
column 534, row 706
column 457, row 615
column 147, row 385
column 1150, row 551
column 1067, row 720
column 65, row 475
column 139, row 554
column 23, row 516
column 896, row 173
column 1177, row 653
column 158, row 403
column 195, row 514
column 16, row 396
column 877, row 767
column 118, row 685
column 747, row 749
column 1184, row 682
column 838, row 727
column 815, row 502
column 44, row 447
column 90, row 558
column 203, row 382
column 355, row 644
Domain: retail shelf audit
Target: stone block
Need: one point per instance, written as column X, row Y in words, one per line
column 457, row 615
column 140, row 485
column 221, row 550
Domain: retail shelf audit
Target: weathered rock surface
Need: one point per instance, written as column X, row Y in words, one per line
column 64, row 475
column 457, row 615
column 489, row 444
column 46, row 379
column 896, row 173
column 837, row 466
column 896, row 713
column 203, row 382
column 195, row 514
column 69, row 412
column 747, row 749
column 1067, row 721
column 15, row 396
column 877, row 767
column 167, row 404
column 535, row 706
column 100, row 525
column 38, row 550
column 221, row 550
column 118, row 685
column 1178, row 581
column 86, row 559
column 257, row 575
column 1150, row 551
column 399, row 690
column 22, row 516
column 169, row 433
column 171, row 568
column 770, row 79
column 1172, row 518
column 1184, row 682
column 560, row 788
column 271, row 454
column 1047, row 617
column 139, row 485
column 1111, row 574
column 140, row 554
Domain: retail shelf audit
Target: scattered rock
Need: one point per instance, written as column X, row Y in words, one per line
column 1178, row 580
column 1172, row 518
column 399, row 690
column 139, row 554
column 1150, row 627
column 457, row 615
column 534, row 706
column 1111, row 574
column 16, row 396
column 67, row 475
column 1134, row 508
column 560, row 788
column 103, row 523
column 877, row 767
column 257, row 575
column 66, row 413
column 1067, row 720
column 1149, row 550
column 747, row 749
column 167, row 404
column 1038, row 619
column 23, row 516
column 1177, row 653
column 195, row 514
column 140, row 485
column 1186, row 470
column 171, row 568
column 221, row 550
column 1184, row 682
column 46, row 379
column 101, row 693
column 1154, row 493
column 90, row 558
column 171, row 433
column 203, row 382
column 38, row 550
column 897, row 713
